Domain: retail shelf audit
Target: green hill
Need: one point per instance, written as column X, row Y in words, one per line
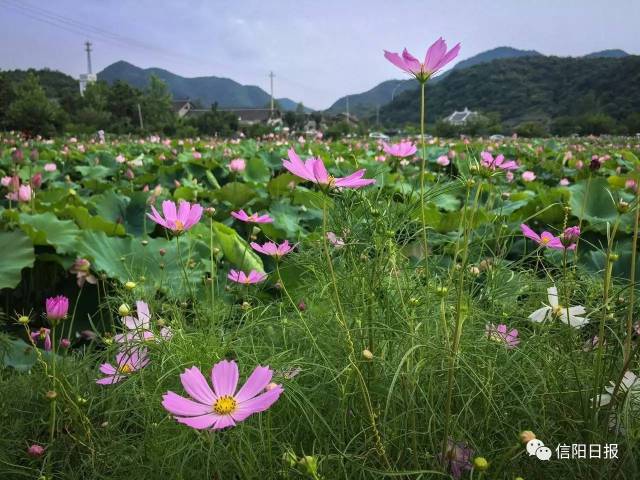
column 529, row 88
column 225, row 92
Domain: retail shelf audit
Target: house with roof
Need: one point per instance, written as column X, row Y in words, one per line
column 462, row 117
column 181, row 108
column 251, row 116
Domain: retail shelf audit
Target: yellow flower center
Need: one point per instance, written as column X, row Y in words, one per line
column 179, row 225
column 225, row 405
column 125, row 369
column 557, row 310
column 545, row 240
column 331, row 180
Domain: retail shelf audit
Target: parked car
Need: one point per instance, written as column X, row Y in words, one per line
column 379, row 135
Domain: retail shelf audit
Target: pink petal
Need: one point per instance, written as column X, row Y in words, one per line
column 527, row 232
column 257, row 404
column 144, row 315
column 320, row 172
column 257, row 381
column 201, row 422
column 224, row 421
column 434, row 54
column 195, row 384
column 224, row 378
column 179, row 405
column 169, row 210
column 396, row 60
column 183, row 211
column 194, row 215
column 108, row 369
column 411, row 62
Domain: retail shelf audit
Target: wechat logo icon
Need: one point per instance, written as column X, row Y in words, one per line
column 536, row 447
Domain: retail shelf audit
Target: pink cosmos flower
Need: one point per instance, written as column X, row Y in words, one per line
column 273, row 249
column 546, row 239
column 334, row 240
column 237, row 165
column 81, row 269
column 57, row 308
column 24, row 194
column 437, row 57
column 443, row 161
column 177, row 219
column 223, row 406
column 253, row 218
column 314, row 171
column 401, row 150
column 44, row 334
column 497, row 163
column 139, row 328
column 528, row 176
column 241, row 277
column 127, row 362
column 501, row 334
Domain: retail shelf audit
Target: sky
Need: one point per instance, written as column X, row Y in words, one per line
column 318, row 50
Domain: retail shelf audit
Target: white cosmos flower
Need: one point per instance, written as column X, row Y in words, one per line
column 570, row 316
column 628, row 396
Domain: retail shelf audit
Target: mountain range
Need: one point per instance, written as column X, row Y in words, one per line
column 366, row 103
column 206, row 91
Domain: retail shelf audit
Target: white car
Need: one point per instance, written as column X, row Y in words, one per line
column 379, row 135
column 496, row 137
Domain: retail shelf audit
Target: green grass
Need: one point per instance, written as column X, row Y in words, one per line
column 357, row 418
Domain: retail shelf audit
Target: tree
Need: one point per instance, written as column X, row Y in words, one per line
column 156, row 106
column 122, row 103
column 31, row 111
column 215, row 122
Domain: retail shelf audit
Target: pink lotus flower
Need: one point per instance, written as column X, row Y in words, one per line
column 401, row 150
column 237, row 165
column 127, row 362
column 223, row 406
column 528, row 176
column 36, row 180
column 437, row 57
column 57, row 308
column 177, row 220
column 6, row 181
column 81, row 269
column 546, row 239
column 44, row 334
column 24, row 194
column 501, row 334
column 314, row 171
column 497, row 163
column 241, row 277
column 253, row 218
column 443, row 161
column 564, row 182
column 273, row 249
column 121, row 159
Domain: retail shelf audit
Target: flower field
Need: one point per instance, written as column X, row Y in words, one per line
column 306, row 308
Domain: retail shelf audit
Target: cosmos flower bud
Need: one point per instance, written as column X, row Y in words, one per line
column 35, row 451
column 623, row 206
column 130, row 285
column 65, row 343
column 367, row 355
column 526, row 436
column 57, row 308
column 162, row 252
column 594, row 165
column 480, row 464
column 310, row 464
column 51, row 395
column 124, row 310
column 23, row 320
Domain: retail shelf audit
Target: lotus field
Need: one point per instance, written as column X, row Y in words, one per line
column 305, row 308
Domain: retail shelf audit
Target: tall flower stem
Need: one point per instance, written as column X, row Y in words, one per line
column 457, row 333
column 351, row 347
column 425, row 242
column 52, row 424
column 632, row 280
column 184, row 270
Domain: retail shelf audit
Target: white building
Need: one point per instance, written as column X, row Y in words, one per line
column 460, row 118
column 86, row 79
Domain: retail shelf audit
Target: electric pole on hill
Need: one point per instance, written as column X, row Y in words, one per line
column 271, row 75
column 87, row 45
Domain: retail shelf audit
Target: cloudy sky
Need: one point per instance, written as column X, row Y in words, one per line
column 319, row 50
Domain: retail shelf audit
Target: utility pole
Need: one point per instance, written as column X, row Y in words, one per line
column 271, row 75
column 87, row 45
